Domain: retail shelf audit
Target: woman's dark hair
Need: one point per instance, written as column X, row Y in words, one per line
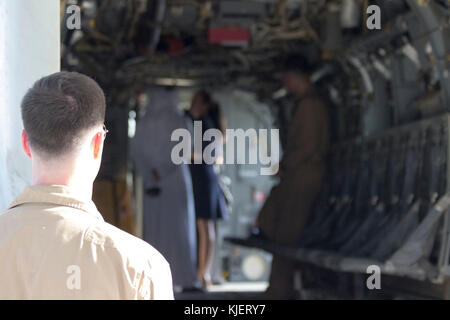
column 215, row 113
column 206, row 97
column 214, row 110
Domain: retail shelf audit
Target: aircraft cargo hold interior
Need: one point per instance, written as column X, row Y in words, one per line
column 264, row 149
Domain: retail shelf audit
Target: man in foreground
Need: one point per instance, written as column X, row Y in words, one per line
column 54, row 243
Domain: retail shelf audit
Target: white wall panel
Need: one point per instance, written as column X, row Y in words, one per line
column 29, row 49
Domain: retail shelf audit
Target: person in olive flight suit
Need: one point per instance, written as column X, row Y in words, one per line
column 302, row 168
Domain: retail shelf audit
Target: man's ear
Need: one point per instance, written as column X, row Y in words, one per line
column 97, row 142
column 26, row 144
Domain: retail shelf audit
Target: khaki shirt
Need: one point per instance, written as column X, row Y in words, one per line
column 56, row 246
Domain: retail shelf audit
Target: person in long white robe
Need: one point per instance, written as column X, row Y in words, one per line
column 169, row 216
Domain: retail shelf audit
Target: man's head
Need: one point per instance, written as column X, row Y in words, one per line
column 63, row 116
column 296, row 75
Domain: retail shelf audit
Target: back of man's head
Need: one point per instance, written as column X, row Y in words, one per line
column 58, row 109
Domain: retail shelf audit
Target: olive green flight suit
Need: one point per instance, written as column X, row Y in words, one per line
column 302, row 169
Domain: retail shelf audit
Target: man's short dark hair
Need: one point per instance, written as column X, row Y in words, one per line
column 59, row 108
column 299, row 64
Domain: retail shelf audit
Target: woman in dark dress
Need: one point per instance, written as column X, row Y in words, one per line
column 208, row 197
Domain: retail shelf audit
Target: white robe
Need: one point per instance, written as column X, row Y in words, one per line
column 169, row 218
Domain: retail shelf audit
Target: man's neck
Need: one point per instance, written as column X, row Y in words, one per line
column 304, row 94
column 70, row 176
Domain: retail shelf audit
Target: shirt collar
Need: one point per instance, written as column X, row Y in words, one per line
column 55, row 194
